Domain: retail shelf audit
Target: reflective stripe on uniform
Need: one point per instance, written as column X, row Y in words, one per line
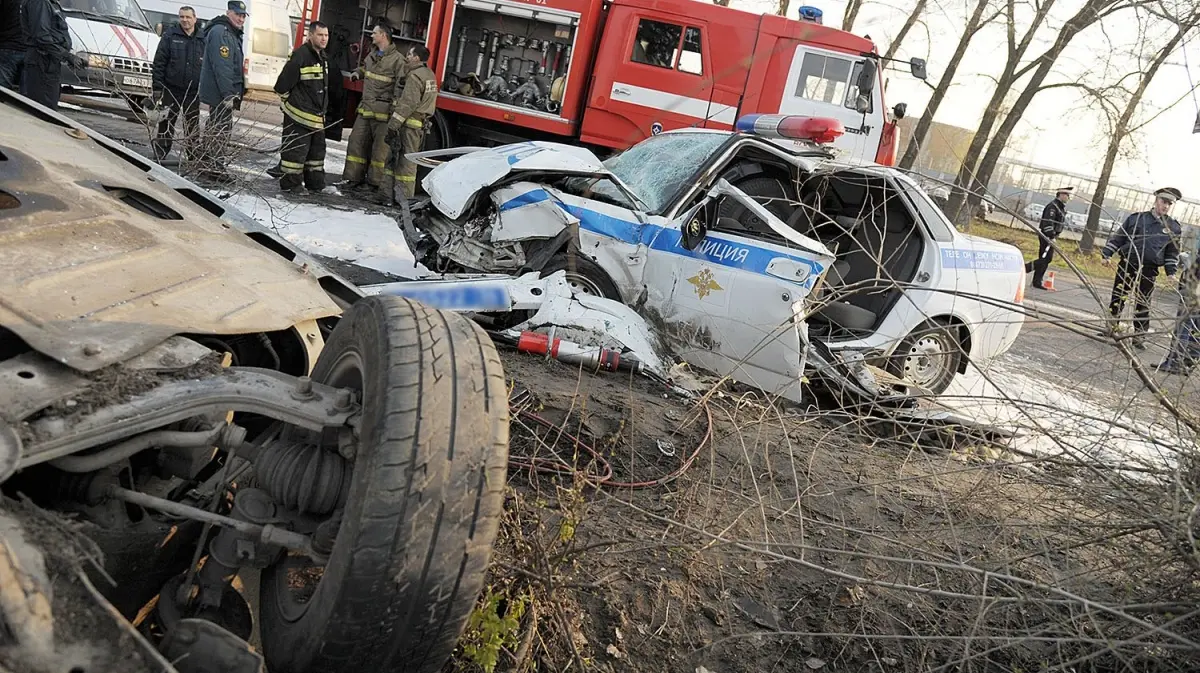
column 312, row 75
column 318, row 163
column 306, row 118
column 355, row 160
column 377, row 164
column 379, row 78
column 409, row 122
column 291, row 166
column 367, row 114
column 406, row 178
column 312, row 68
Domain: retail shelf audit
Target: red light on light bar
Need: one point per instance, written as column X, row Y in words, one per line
column 820, row 130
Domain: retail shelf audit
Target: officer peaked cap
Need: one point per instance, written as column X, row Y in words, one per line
column 1068, row 190
column 1170, row 192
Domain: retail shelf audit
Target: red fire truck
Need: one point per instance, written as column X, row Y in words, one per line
column 609, row 73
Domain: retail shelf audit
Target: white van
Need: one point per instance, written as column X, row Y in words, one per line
column 266, row 38
column 118, row 43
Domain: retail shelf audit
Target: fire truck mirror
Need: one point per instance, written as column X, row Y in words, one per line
column 918, row 68
column 901, row 110
column 865, row 84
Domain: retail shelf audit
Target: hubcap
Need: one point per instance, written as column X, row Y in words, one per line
column 927, row 360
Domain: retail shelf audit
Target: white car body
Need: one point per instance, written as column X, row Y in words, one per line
column 734, row 304
column 118, row 42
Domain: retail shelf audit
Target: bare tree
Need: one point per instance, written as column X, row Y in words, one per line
column 723, row 3
column 783, row 7
column 1015, row 52
column 917, row 11
column 1092, row 12
column 974, row 23
column 851, row 14
column 1123, row 127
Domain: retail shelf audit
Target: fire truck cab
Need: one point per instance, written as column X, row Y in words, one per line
column 610, row 73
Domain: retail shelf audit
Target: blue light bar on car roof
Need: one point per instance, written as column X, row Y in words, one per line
column 819, row 130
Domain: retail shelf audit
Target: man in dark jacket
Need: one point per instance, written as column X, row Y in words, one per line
column 49, row 46
column 303, row 86
column 176, row 82
column 222, row 85
column 1146, row 242
column 12, row 44
column 1054, row 220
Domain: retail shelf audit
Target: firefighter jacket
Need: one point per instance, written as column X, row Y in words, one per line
column 46, row 30
column 303, row 87
column 1145, row 238
column 221, row 74
column 416, row 100
column 380, row 73
column 177, row 63
column 1054, row 218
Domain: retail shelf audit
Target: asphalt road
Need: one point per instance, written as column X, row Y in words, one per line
column 1058, row 365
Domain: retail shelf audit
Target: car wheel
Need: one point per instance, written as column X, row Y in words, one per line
column 772, row 193
column 583, row 275
column 423, row 504
column 928, row 357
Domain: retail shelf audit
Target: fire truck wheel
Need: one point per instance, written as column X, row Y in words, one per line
column 425, row 494
column 583, row 275
column 771, row 192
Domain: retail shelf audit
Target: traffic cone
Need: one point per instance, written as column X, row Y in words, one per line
column 1048, row 281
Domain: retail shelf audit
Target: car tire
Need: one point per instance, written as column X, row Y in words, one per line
column 760, row 188
column 583, row 275
column 929, row 356
column 424, row 502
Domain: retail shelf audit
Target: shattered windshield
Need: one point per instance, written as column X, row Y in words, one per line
column 656, row 168
column 124, row 12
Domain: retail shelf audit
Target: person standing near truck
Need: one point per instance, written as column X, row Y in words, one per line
column 367, row 150
column 12, row 44
column 222, row 85
column 1054, row 219
column 303, row 87
column 1146, row 242
column 415, row 104
column 48, row 43
column 176, row 82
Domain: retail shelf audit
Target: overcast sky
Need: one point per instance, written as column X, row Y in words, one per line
column 1056, row 131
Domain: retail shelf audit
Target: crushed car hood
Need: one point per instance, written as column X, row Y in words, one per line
column 452, row 185
column 103, row 255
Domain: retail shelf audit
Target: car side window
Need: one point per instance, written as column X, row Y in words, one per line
column 852, row 91
column 656, row 43
column 691, row 58
column 823, row 78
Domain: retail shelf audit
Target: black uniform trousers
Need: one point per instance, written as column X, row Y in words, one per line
column 41, row 78
column 189, row 106
column 1044, row 257
column 302, row 155
column 1139, row 279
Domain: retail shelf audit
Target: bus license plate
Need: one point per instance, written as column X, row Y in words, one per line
column 143, row 82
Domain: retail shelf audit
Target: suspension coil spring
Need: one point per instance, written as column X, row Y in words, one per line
column 303, row 476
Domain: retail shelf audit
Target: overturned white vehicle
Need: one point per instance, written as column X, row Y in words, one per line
column 734, row 246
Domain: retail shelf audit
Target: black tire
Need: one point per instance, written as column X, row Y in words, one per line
column 583, row 275
column 929, row 356
column 773, row 193
column 425, row 500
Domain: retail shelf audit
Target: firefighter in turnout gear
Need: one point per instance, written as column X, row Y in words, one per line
column 1054, row 220
column 1146, row 242
column 367, row 151
column 415, row 104
column 303, row 87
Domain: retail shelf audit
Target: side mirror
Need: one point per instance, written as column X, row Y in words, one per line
column 693, row 226
column 917, row 66
column 866, row 80
column 900, row 111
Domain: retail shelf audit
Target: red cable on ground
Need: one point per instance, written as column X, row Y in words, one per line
column 559, row 466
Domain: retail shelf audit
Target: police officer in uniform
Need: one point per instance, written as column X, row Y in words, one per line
column 303, row 87
column 1054, row 219
column 367, row 150
column 49, row 46
column 415, row 105
column 1146, row 242
column 222, row 84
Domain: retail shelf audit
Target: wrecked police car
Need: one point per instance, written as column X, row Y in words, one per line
column 776, row 219
column 204, row 400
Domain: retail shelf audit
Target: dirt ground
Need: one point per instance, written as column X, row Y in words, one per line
column 798, row 542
